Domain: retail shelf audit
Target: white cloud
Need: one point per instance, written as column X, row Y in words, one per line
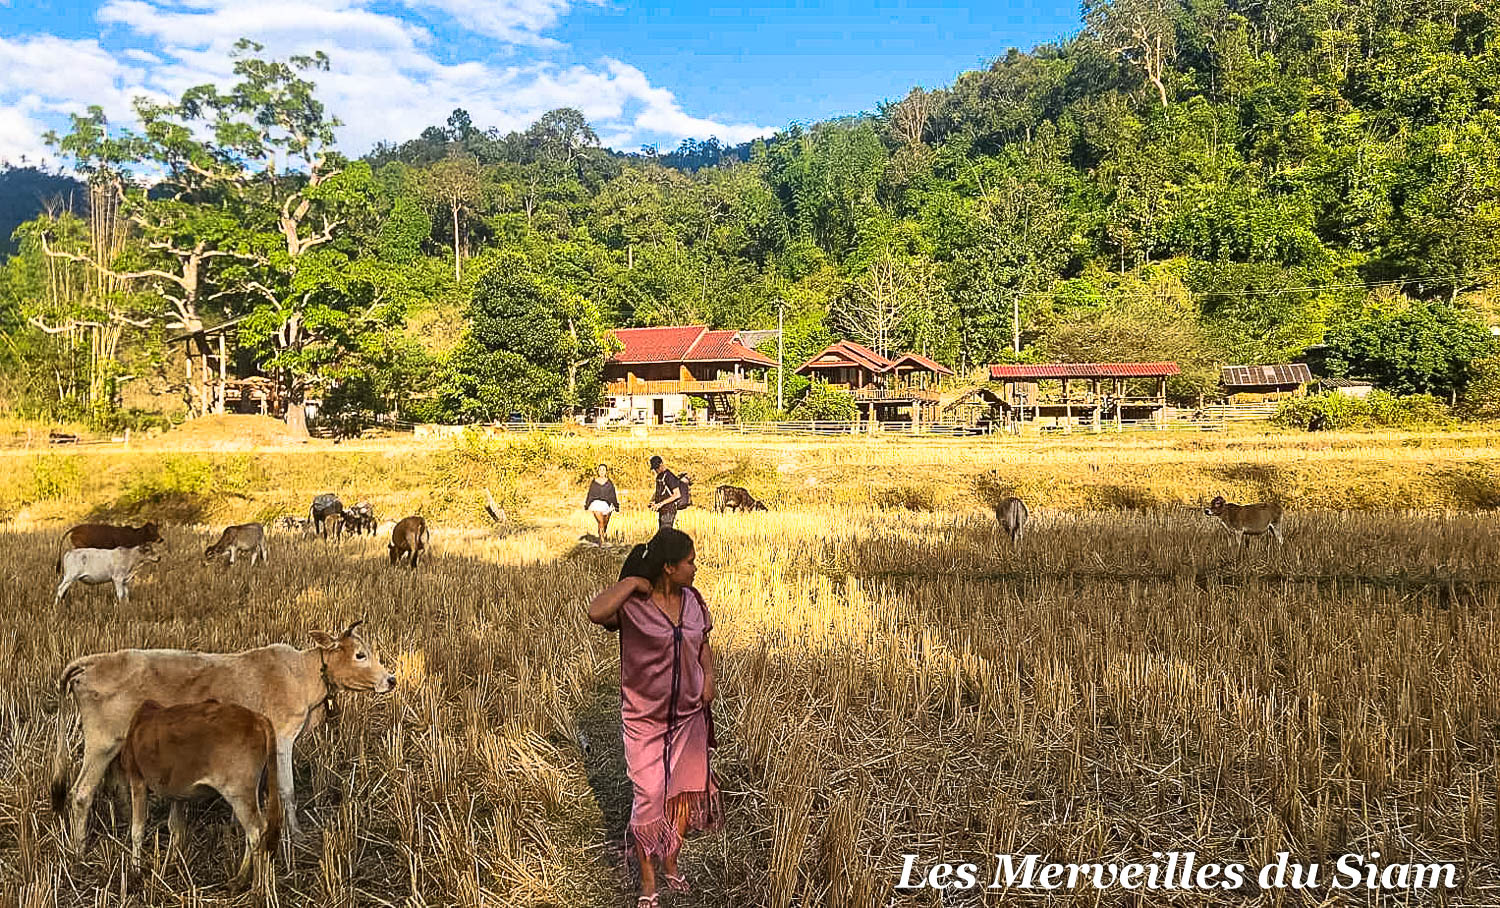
column 513, row 21
column 385, row 82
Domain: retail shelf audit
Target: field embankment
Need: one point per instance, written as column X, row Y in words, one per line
column 247, row 472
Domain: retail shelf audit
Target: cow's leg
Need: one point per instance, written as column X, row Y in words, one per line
column 62, row 590
column 138, row 802
column 95, row 764
column 176, row 827
column 1276, row 532
column 247, row 811
column 232, row 550
column 122, row 592
column 284, row 784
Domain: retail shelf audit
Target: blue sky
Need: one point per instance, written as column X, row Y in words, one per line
column 642, row 72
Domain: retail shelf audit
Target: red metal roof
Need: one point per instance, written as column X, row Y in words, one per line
column 922, row 362
column 684, row 344
column 1039, row 371
column 846, row 353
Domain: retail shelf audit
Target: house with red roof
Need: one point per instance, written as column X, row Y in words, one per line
column 1079, row 393
column 884, row 388
column 655, row 371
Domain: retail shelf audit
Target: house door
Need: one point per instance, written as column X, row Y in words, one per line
column 658, row 410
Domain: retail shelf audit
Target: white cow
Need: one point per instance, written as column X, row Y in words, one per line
column 95, row 566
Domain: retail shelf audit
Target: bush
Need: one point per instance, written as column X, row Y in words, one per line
column 824, row 402
column 186, row 486
column 754, row 408
column 910, row 498
column 1481, row 398
column 1334, row 412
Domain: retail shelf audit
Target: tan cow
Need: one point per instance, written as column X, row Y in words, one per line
column 106, row 536
column 409, row 536
column 240, row 539
column 173, row 750
column 288, row 686
column 1246, row 519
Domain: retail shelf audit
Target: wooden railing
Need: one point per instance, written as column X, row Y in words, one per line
column 711, row 386
column 896, row 394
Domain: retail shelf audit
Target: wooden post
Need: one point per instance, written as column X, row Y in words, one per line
column 1067, row 409
column 1094, row 389
column 223, row 375
column 1161, row 401
column 187, row 358
column 1119, row 397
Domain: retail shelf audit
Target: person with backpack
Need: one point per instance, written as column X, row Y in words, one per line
column 673, row 493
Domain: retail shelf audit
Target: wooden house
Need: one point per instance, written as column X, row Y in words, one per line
column 656, row 370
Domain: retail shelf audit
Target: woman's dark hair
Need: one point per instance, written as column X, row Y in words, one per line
column 649, row 559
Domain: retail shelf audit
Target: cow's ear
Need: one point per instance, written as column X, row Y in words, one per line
column 324, row 640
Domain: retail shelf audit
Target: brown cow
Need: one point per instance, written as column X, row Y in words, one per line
column 1246, row 519
column 735, row 498
column 291, row 687
column 173, row 750
column 408, row 536
column 106, row 536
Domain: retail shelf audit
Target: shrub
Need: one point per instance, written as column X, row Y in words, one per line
column 910, row 498
column 754, row 408
column 55, row 476
column 1332, row 411
column 824, row 402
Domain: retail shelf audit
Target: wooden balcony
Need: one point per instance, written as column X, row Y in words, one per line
column 896, row 394
column 712, row 386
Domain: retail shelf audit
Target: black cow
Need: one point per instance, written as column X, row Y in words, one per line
column 323, row 507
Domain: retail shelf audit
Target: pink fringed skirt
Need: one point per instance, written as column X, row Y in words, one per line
column 670, row 782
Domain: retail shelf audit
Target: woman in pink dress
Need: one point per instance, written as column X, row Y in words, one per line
column 666, row 686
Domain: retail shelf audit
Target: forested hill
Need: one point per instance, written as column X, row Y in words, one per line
column 26, row 192
column 1197, row 180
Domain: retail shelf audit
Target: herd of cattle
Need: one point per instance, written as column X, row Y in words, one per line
column 96, row 553
column 173, row 721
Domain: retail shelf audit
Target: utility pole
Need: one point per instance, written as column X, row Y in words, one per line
column 780, row 360
column 1015, row 321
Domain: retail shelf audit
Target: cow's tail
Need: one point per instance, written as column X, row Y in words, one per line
column 61, row 543
column 272, row 836
column 60, row 761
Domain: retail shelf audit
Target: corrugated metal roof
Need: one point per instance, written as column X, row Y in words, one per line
column 1041, row 371
column 923, row 362
column 846, row 353
column 1345, row 383
column 1260, row 376
column 684, row 344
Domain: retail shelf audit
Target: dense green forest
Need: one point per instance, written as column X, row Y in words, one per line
column 1206, row 181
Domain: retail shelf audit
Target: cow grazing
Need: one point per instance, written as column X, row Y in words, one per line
column 240, row 539
column 1012, row 515
column 175, row 750
column 1246, row 519
column 95, row 566
column 409, row 537
column 323, row 507
column 735, row 498
column 290, row 687
column 295, row 524
column 360, row 519
column 106, row 536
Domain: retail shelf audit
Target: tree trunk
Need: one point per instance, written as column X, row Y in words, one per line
column 458, row 273
column 296, row 417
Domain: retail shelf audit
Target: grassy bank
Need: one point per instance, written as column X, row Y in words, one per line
column 542, row 474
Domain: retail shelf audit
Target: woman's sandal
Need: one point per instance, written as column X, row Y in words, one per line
column 646, row 901
column 676, row 882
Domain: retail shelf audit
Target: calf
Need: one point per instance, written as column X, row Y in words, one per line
column 734, row 498
column 323, row 507
column 95, row 566
column 173, row 750
column 408, row 537
column 241, row 539
column 360, row 519
column 106, row 536
column 1012, row 515
column 1246, row 519
column 293, row 688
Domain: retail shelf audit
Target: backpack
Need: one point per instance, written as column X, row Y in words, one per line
column 686, row 501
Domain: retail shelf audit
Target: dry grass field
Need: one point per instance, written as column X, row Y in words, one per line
column 895, row 679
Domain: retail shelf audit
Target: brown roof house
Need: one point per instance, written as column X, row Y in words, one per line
column 1092, row 392
column 884, row 388
column 1249, row 384
column 655, row 372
